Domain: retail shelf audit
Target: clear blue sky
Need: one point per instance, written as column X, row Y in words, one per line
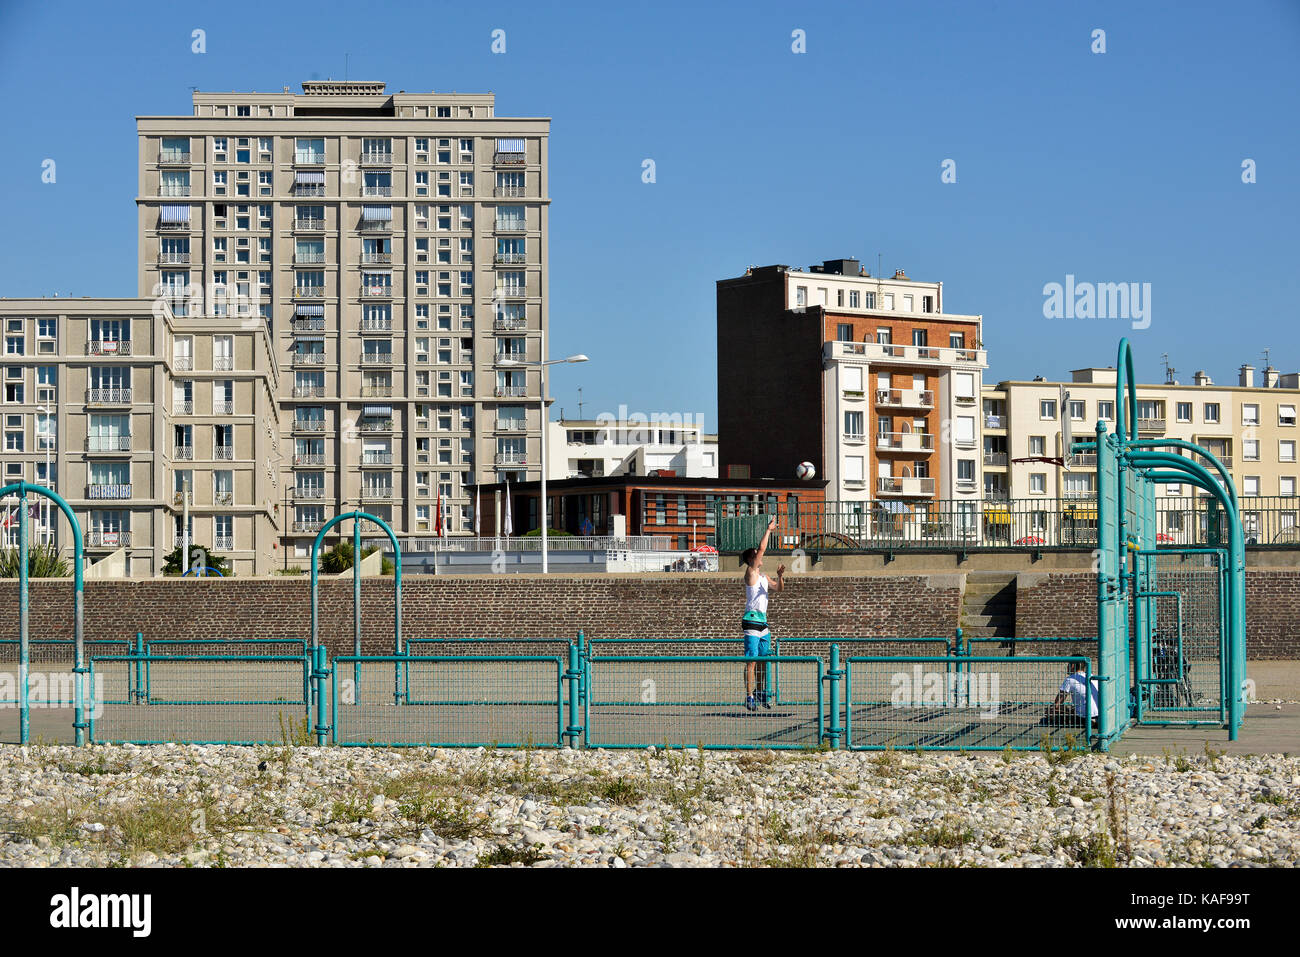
column 1122, row 166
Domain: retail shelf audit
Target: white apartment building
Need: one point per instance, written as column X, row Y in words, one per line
column 595, row 448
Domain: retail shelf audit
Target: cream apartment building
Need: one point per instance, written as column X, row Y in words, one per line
column 394, row 247
column 594, row 448
column 119, row 405
column 1250, row 427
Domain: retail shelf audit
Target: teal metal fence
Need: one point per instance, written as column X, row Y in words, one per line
column 199, row 699
column 635, row 701
column 975, row 703
column 448, row 700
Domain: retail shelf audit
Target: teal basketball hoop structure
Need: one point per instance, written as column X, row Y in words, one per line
column 21, row 489
column 1187, row 605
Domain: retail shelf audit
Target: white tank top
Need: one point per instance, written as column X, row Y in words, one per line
column 756, row 596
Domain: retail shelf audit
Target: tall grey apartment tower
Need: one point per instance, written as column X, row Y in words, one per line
column 395, row 247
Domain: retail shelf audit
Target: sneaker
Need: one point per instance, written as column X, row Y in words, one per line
column 767, row 702
column 749, row 704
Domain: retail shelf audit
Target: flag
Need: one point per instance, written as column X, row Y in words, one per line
column 475, row 511
column 8, row 519
column 34, row 510
column 437, row 524
column 510, row 525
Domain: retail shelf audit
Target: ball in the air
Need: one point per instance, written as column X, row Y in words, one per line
column 805, row 471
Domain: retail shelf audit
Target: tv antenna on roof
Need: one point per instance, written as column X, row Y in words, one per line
column 580, row 402
column 1266, row 362
column 1169, row 370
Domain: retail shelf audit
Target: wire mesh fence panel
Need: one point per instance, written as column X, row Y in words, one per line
column 480, row 647
column 654, row 647
column 684, row 701
column 1084, row 646
column 1183, row 676
column 200, row 699
column 50, row 671
column 452, row 700
column 968, row 703
column 226, row 646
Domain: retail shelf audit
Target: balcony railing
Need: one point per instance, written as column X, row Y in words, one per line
column 854, row 437
column 223, row 498
column 376, row 458
column 905, row 398
column 904, row 442
column 930, row 355
column 308, row 190
column 376, row 491
column 223, row 363
column 373, row 324
column 376, row 391
column 309, row 392
column 183, row 363
column 509, row 324
column 308, row 158
column 377, row 159
column 308, row 225
column 376, row 358
column 376, row 290
column 173, row 190
column 108, row 443
column 511, row 259
column 510, row 191
column 174, row 259
column 223, row 452
column 309, row 425
column 510, row 292
column 182, row 226
column 376, row 259
column 308, row 259
column 376, row 425
column 108, row 491
column 173, row 157
column 310, row 527
column 309, row 458
column 308, row 491
column 308, row 358
column 223, row 543
column 309, row 292
column 376, row 226
column 511, row 225
column 904, row 486
column 183, row 452
column 511, row 391
column 1086, row 459
column 508, row 357
column 376, row 191
column 308, row 325
column 223, row 407
column 996, row 495
column 182, row 406
column 509, row 159
column 511, row 425
column 995, row 458
column 96, row 538
column 108, row 396
column 1151, row 425
column 105, row 347
column 510, row 458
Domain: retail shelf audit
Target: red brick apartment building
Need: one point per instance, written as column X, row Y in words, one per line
column 867, row 378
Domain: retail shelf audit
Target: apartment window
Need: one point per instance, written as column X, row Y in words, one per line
column 1183, row 412
column 1250, row 415
column 243, row 111
column 907, row 304
column 14, row 392
column 1286, row 415
column 14, row 345
column 1077, row 410
column 801, row 295
column 889, row 301
column 927, row 303
column 920, row 338
column 966, row 471
column 13, row 441
column 853, row 471
column 963, row 430
column 467, row 184
column 1106, row 409
column 422, row 148
column 219, row 148
column 1286, row 450
column 869, row 300
column 1038, row 483
column 1037, row 444
column 1286, row 486
column 1250, row 450
column 839, row 297
column 1250, row 485
column 1173, row 490
column 47, row 427
column 956, row 340
column 1047, row 409
column 45, row 328
column 1211, row 412
column 853, row 425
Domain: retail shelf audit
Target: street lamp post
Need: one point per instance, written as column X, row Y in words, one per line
column 542, row 366
column 46, row 534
